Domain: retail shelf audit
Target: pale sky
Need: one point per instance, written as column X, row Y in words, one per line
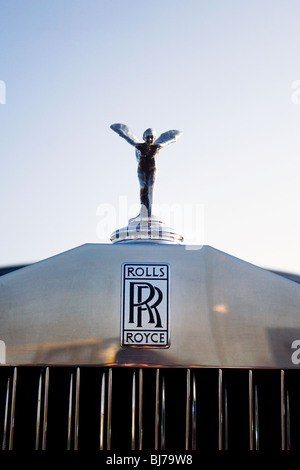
column 224, row 72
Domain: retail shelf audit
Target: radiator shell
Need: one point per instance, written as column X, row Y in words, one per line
column 224, row 312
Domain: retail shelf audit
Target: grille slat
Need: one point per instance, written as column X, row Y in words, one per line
column 5, row 424
column 223, row 413
column 109, row 406
column 73, row 414
column 70, row 413
column 194, row 414
column 156, row 409
column 148, row 409
column 12, row 414
column 140, row 409
column 137, row 411
column 285, row 415
column 42, row 410
column 190, row 423
column 133, row 413
column 188, row 400
column 102, row 412
column 9, row 410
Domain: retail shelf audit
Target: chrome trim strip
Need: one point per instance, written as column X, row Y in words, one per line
column 140, row 409
column 288, row 421
column 251, row 418
column 133, row 411
column 163, row 417
column 102, row 412
column 70, row 413
column 42, row 403
column 194, row 414
column 187, row 408
column 38, row 413
column 282, row 409
column 45, row 422
column 220, row 396
column 6, row 414
column 12, row 413
column 226, row 417
column 137, row 410
column 76, row 411
column 223, row 413
column 156, row 409
column 256, row 418
column 109, row 407
column 285, row 413
column 76, row 423
column 253, row 413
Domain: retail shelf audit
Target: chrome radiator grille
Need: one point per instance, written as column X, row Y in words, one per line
column 125, row 408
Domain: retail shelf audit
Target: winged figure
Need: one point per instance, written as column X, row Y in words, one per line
column 146, row 153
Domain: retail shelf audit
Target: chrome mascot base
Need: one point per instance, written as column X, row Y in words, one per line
column 146, row 229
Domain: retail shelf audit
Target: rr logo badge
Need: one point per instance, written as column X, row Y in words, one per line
column 145, row 305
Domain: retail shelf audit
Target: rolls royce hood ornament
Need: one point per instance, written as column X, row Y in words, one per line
column 146, row 226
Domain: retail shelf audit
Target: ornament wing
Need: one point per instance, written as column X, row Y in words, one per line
column 168, row 137
column 125, row 132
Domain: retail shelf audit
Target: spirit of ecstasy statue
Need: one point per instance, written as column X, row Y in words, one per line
column 146, row 157
column 146, row 227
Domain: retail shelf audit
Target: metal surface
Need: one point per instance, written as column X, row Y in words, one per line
column 154, row 409
column 224, row 312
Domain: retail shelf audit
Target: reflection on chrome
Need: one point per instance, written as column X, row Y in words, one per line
column 220, row 308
